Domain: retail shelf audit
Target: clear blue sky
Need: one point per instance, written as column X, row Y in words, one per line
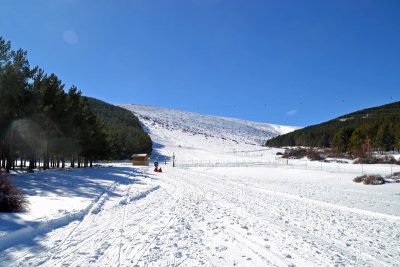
column 286, row 62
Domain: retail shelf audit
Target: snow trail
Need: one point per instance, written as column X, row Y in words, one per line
column 186, row 217
column 226, row 216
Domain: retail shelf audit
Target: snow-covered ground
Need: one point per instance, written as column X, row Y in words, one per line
column 204, row 216
column 210, row 126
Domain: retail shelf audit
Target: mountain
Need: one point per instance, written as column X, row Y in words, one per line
column 123, row 130
column 377, row 126
column 236, row 130
column 111, row 114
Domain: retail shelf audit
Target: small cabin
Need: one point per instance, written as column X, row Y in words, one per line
column 140, row 159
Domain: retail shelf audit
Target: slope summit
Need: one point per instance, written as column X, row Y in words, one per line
column 241, row 131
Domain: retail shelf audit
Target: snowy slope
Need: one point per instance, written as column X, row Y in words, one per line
column 303, row 214
column 228, row 128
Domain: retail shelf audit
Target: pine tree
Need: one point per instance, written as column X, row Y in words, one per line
column 384, row 138
column 361, row 139
column 340, row 140
column 356, row 140
column 397, row 138
column 41, row 123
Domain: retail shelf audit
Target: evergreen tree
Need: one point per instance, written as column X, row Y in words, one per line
column 397, row 138
column 41, row 123
column 361, row 139
column 340, row 140
column 384, row 138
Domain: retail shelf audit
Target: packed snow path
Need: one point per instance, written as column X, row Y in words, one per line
column 202, row 217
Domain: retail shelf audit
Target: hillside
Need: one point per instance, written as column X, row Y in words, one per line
column 111, row 114
column 377, row 125
column 123, row 130
column 240, row 131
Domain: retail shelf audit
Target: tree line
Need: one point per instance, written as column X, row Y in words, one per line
column 358, row 133
column 123, row 130
column 368, row 137
column 41, row 123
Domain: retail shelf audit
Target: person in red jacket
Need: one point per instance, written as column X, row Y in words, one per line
column 157, row 169
column 156, row 166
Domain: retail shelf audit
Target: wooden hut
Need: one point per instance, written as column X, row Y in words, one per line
column 140, row 159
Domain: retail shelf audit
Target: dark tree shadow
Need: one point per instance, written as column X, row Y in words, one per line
column 156, row 154
column 85, row 183
column 88, row 183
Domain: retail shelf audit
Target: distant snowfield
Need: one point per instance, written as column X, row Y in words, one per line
column 213, row 126
column 203, row 216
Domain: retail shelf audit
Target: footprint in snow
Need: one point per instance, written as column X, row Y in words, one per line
column 221, row 248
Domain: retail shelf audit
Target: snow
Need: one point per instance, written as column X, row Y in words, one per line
column 298, row 214
column 212, row 126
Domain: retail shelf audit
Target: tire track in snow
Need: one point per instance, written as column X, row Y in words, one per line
column 284, row 228
column 146, row 246
column 267, row 256
column 141, row 222
column 334, row 245
column 173, row 232
column 126, row 203
column 195, row 188
column 342, row 247
column 327, row 243
column 111, row 235
column 161, row 202
column 123, row 222
column 82, row 214
column 71, row 249
column 93, row 212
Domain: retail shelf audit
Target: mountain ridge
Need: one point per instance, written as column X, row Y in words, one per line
column 209, row 125
column 349, row 132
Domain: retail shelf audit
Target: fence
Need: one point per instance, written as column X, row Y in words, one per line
column 334, row 167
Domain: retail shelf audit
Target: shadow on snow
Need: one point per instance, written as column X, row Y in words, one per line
column 87, row 183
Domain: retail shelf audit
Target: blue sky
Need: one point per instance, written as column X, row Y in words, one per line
column 285, row 62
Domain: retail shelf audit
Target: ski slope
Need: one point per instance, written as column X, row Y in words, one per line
column 210, row 126
column 206, row 216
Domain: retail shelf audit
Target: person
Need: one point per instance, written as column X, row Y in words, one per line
column 156, row 166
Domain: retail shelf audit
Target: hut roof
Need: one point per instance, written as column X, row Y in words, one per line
column 139, row 155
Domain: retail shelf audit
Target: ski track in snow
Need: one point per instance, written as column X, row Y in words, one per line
column 224, row 216
column 197, row 218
